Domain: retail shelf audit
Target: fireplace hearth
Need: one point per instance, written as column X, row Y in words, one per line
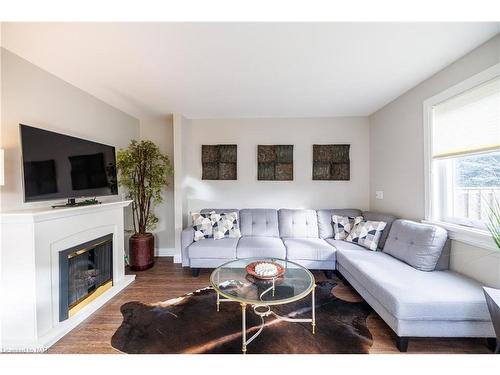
column 85, row 272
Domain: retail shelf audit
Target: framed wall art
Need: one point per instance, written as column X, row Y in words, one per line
column 331, row 163
column 219, row 162
column 275, row 162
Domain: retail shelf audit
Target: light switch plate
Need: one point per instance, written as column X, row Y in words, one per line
column 379, row 194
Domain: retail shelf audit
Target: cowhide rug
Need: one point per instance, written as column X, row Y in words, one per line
column 191, row 324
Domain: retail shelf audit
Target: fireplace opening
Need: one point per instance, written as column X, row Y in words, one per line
column 85, row 272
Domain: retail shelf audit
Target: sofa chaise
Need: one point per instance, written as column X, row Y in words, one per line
column 407, row 281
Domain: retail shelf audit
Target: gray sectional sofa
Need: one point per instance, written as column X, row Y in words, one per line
column 407, row 281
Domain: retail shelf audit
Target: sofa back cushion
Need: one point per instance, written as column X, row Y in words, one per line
column 298, row 223
column 419, row 245
column 325, row 224
column 386, row 218
column 444, row 259
column 261, row 222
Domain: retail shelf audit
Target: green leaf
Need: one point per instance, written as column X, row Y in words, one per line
column 494, row 221
column 144, row 171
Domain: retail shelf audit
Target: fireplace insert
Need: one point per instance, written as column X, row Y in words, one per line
column 85, row 272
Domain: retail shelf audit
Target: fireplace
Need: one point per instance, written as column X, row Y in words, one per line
column 85, row 272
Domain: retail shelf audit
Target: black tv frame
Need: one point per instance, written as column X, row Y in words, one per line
column 71, row 200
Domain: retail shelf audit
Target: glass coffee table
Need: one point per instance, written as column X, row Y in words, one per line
column 233, row 284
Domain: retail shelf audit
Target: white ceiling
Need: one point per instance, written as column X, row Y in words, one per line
column 245, row 69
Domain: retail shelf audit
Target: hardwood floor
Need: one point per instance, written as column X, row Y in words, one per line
column 167, row 280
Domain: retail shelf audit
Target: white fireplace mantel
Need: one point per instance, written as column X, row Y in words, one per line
column 31, row 240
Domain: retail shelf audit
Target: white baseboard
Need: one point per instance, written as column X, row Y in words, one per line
column 165, row 252
column 169, row 252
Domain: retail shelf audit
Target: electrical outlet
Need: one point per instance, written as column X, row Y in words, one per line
column 379, row 195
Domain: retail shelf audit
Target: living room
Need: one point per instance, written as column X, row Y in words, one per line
column 250, row 187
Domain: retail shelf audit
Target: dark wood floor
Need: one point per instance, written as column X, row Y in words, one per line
column 167, row 280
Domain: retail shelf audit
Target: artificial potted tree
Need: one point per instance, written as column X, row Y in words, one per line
column 144, row 171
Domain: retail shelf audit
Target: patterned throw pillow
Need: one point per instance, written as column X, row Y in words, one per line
column 202, row 225
column 367, row 234
column 342, row 225
column 226, row 225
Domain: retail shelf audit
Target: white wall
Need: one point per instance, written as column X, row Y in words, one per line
column 478, row 263
column 160, row 131
column 180, row 219
column 35, row 97
column 302, row 192
column 397, row 156
column 396, row 136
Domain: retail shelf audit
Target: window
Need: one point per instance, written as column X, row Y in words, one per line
column 463, row 151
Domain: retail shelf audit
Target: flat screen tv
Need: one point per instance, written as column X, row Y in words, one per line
column 58, row 166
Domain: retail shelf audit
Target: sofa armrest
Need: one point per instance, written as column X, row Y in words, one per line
column 187, row 238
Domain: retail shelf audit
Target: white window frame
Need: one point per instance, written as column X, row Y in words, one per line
column 472, row 236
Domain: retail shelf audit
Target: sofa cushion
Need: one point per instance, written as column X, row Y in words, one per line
column 386, row 218
column 419, row 245
column 344, row 245
column 271, row 247
column 410, row 294
column 210, row 248
column 298, row 223
column 309, row 249
column 325, row 224
column 259, row 222
column 443, row 262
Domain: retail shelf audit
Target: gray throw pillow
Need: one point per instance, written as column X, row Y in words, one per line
column 202, row 225
column 386, row 218
column 367, row 234
column 225, row 225
column 342, row 225
column 419, row 245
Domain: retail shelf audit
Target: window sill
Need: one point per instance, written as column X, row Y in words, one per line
column 471, row 236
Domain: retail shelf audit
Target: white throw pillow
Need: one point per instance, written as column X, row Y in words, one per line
column 226, row 225
column 202, row 225
column 342, row 225
column 367, row 234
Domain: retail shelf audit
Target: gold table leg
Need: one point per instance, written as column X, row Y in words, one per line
column 313, row 311
column 244, row 327
column 218, row 302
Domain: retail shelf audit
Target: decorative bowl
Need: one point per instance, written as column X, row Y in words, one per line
column 250, row 268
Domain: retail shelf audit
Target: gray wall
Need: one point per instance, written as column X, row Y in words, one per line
column 396, row 136
column 302, row 192
column 160, row 131
column 397, row 156
column 35, row 97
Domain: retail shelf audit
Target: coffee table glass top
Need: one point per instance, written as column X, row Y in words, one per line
column 232, row 281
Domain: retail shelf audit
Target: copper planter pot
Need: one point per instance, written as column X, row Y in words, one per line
column 141, row 251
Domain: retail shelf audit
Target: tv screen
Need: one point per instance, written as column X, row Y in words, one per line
column 58, row 166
